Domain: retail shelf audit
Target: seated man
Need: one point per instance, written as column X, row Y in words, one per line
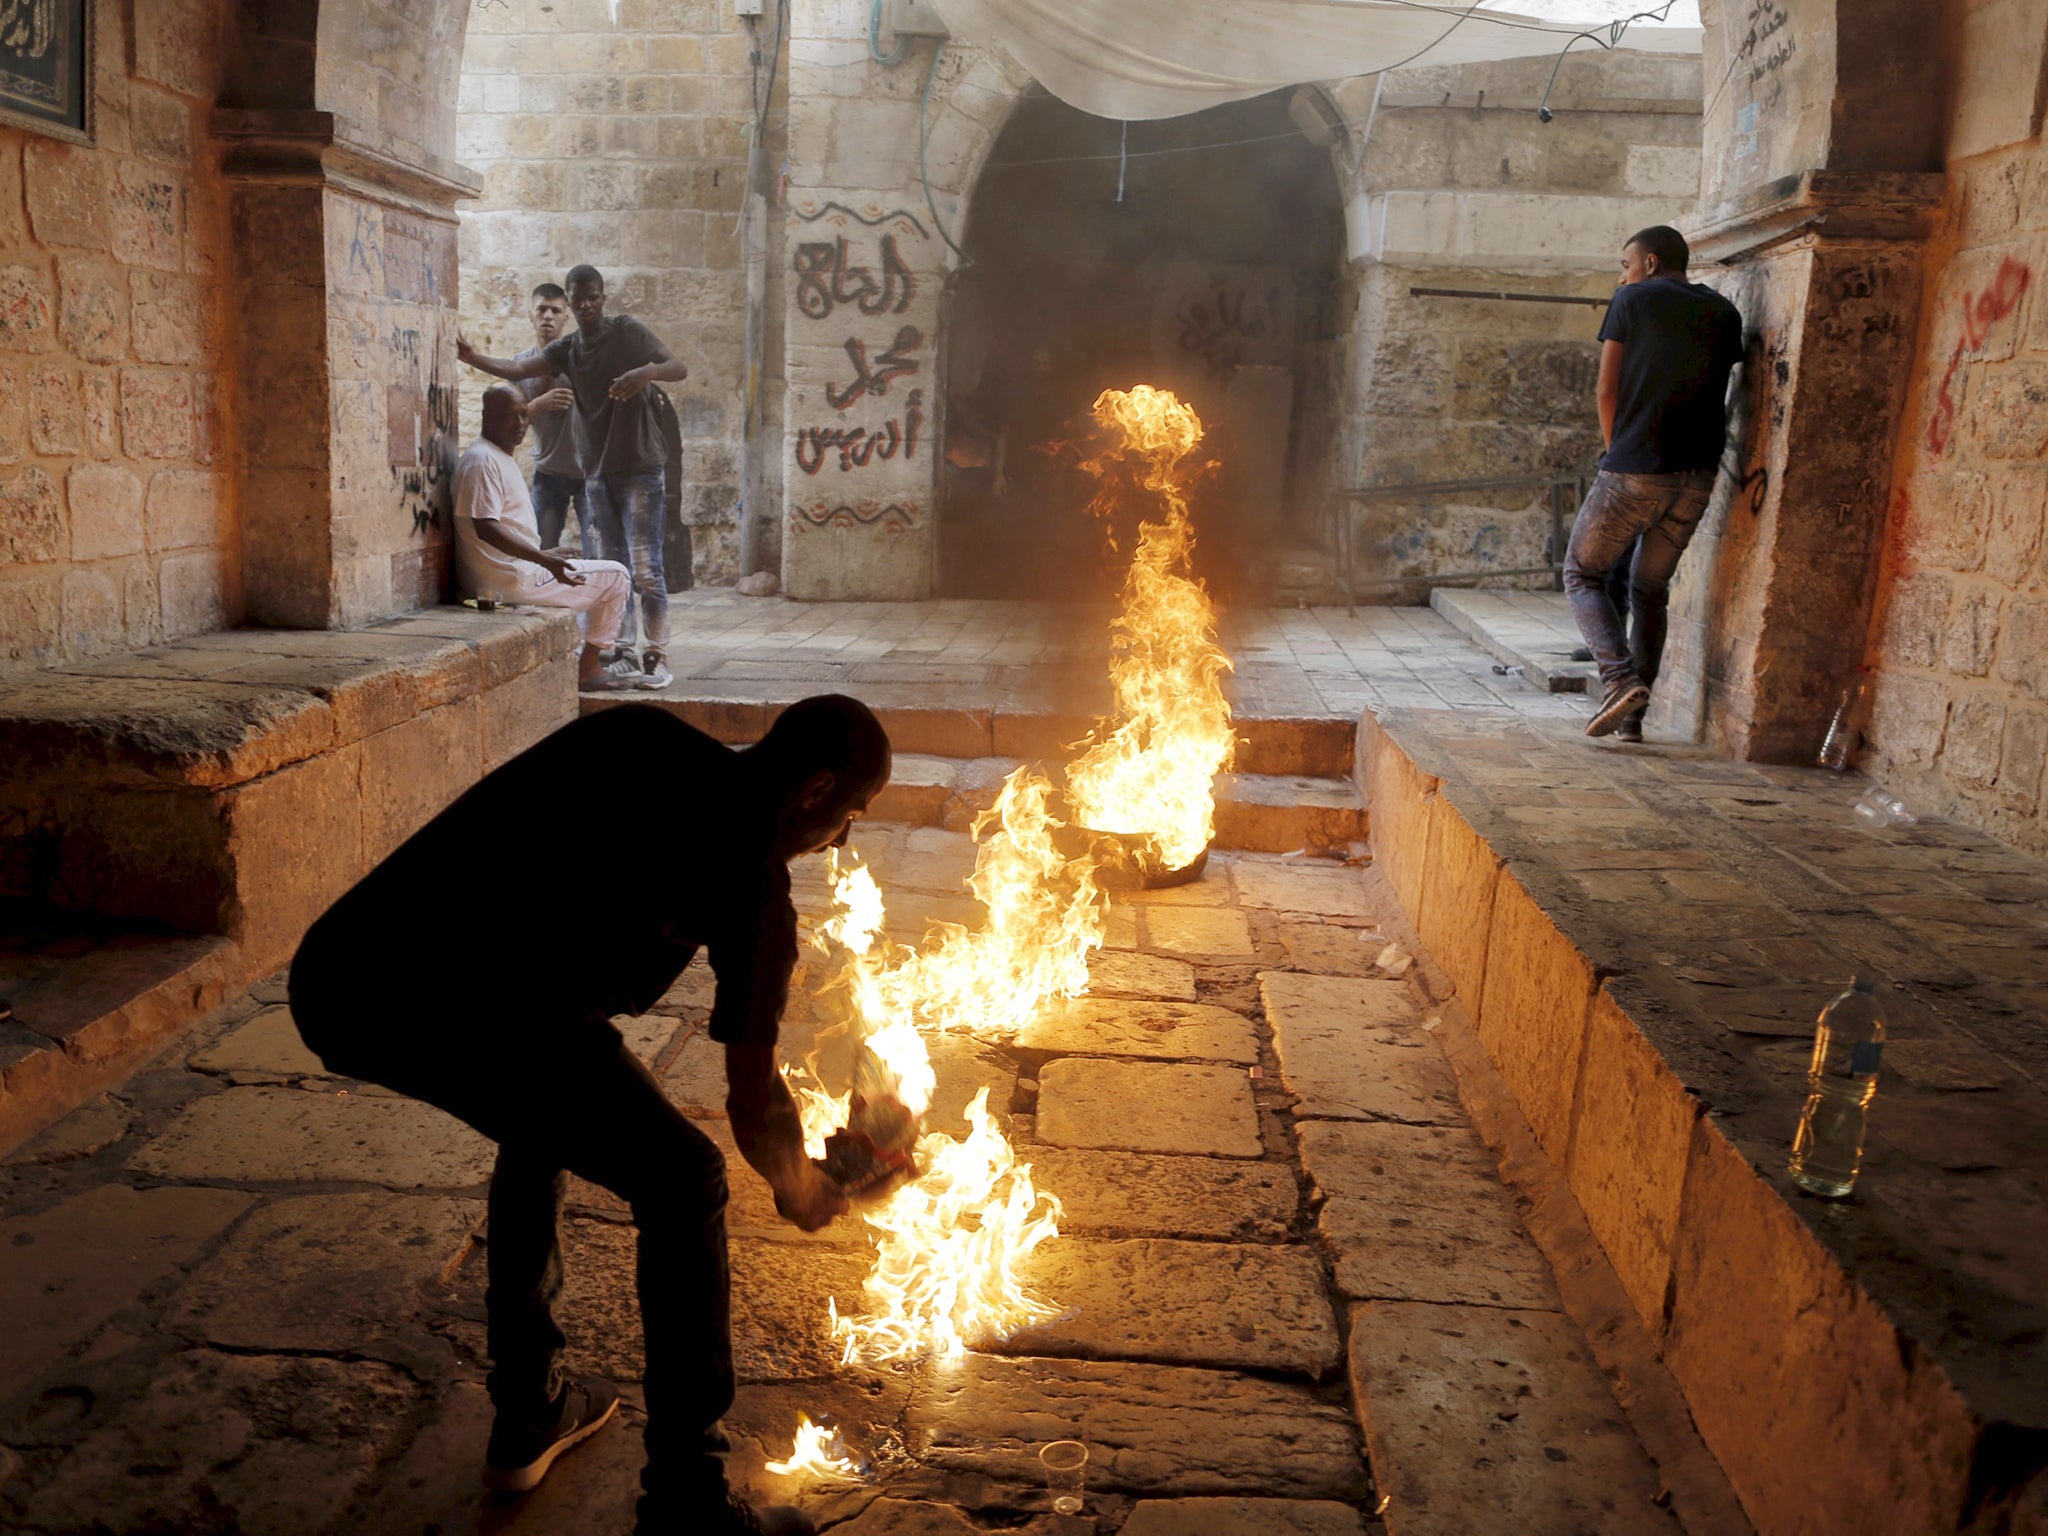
column 519, row 1044
column 497, row 543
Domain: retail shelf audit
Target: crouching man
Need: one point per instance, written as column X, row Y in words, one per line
column 498, row 550
column 518, row 1043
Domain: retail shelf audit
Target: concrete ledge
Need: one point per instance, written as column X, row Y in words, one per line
column 230, row 786
column 1641, row 968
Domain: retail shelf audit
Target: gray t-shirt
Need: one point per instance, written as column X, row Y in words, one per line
column 613, row 437
column 554, row 438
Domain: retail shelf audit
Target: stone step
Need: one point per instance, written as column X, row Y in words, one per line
column 88, row 1008
column 1530, row 630
column 1255, row 812
column 1310, row 745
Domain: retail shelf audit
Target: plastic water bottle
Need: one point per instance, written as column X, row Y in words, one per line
column 1841, row 1080
column 1841, row 738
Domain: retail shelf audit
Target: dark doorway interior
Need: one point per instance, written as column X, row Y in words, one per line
column 1213, row 273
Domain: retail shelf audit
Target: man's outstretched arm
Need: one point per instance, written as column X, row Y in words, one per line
column 1607, row 393
column 505, row 368
column 770, row 1134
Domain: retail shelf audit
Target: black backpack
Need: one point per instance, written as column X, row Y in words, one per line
column 675, row 540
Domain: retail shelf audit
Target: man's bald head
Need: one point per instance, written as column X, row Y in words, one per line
column 504, row 416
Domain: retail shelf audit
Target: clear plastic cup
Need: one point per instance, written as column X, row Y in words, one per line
column 1066, row 1474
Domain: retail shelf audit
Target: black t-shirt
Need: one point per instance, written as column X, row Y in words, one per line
column 1679, row 343
column 512, row 922
column 613, row 437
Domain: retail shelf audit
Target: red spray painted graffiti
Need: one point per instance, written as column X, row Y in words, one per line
column 1981, row 310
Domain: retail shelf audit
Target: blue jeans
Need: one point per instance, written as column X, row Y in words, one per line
column 1657, row 514
column 553, row 496
column 630, row 513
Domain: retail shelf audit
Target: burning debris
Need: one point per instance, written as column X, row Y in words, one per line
column 953, row 1220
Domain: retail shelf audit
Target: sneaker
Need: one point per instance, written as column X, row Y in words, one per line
column 1582, row 653
column 609, row 680
column 624, row 665
column 1623, row 700
column 736, row 1517
column 654, row 672
column 1630, row 729
column 518, row 1458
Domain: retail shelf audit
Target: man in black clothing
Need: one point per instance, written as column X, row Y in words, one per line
column 520, row 1046
column 1667, row 348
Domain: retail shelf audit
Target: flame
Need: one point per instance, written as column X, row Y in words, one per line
column 1152, row 770
column 817, row 1451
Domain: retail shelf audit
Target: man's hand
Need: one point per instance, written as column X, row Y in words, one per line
column 553, row 400
column 629, row 384
column 807, row 1199
column 464, row 352
column 561, row 570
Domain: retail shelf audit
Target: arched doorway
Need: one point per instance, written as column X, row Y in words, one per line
column 1201, row 254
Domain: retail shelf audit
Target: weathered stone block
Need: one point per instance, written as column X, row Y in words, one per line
column 92, row 309
column 411, row 771
column 1202, row 932
column 92, row 612
column 297, row 842
column 267, row 1046
column 1533, row 1016
column 518, row 713
column 98, row 400
column 146, row 216
column 193, row 593
column 1976, row 736
column 176, row 46
column 918, row 789
column 74, row 1265
column 268, row 1135
column 1630, row 1144
column 324, row 1272
column 26, row 302
column 1402, row 798
column 53, row 422
column 1278, row 814
column 1170, row 1031
column 13, row 416
column 1148, row 1107
column 1355, row 1049
column 1184, row 1303
column 171, row 318
column 1800, row 1385
column 1156, row 1429
column 1133, row 1194
column 1476, row 1416
column 156, row 413
column 31, row 517
column 1124, row 972
column 1328, row 890
column 67, row 193
column 185, row 508
column 1456, row 917
column 106, row 512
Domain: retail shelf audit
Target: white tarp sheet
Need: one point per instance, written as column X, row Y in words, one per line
column 1140, row 59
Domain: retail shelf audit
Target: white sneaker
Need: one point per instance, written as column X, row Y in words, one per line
column 654, row 672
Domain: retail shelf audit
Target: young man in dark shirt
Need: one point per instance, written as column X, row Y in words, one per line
column 1666, row 350
column 520, row 1045
column 609, row 362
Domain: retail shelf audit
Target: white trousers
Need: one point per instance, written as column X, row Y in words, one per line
column 599, row 603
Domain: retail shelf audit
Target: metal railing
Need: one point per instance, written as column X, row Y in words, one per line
column 1566, row 492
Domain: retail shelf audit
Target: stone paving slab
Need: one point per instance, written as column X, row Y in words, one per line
column 1418, row 1213
column 273, row 1135
column 1122, row 972
column 1133, row 1194
column 1243, row 1517
column 72, row 1267
column 324, row 1272
column 1318, row 886
column 1215, row 1304
column 92, row 1127
column 1134, row 1106
column 1150, row 1429
column 1167, row 1031
column 1476, row 1418
column 1329, row 949
column 1354, row 1049
column 267, row 1048
column 1211, row 933
column 200, row 1449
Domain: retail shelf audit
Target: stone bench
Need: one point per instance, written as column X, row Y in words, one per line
column 1641, row 940
column 195, row 806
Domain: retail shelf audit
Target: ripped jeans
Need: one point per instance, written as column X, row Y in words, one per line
column 630, row 514
column 1655, row 513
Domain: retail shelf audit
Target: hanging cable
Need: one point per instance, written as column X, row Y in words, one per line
column 886, row 60
column 924, row 114
column 1123, row 160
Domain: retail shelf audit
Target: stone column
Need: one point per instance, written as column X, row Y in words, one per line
column 344, row 303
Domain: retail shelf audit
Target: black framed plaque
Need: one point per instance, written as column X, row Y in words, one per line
column 46, row 67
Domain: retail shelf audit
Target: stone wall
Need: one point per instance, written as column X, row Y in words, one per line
column 1455, row 182
column 1960, row 650
column 617, row 134
column 117, row 511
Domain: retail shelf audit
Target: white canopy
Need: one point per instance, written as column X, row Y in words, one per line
column 1139, row 59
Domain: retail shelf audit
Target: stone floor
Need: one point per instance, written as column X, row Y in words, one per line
column 1053, row 656
column 243, row 1295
